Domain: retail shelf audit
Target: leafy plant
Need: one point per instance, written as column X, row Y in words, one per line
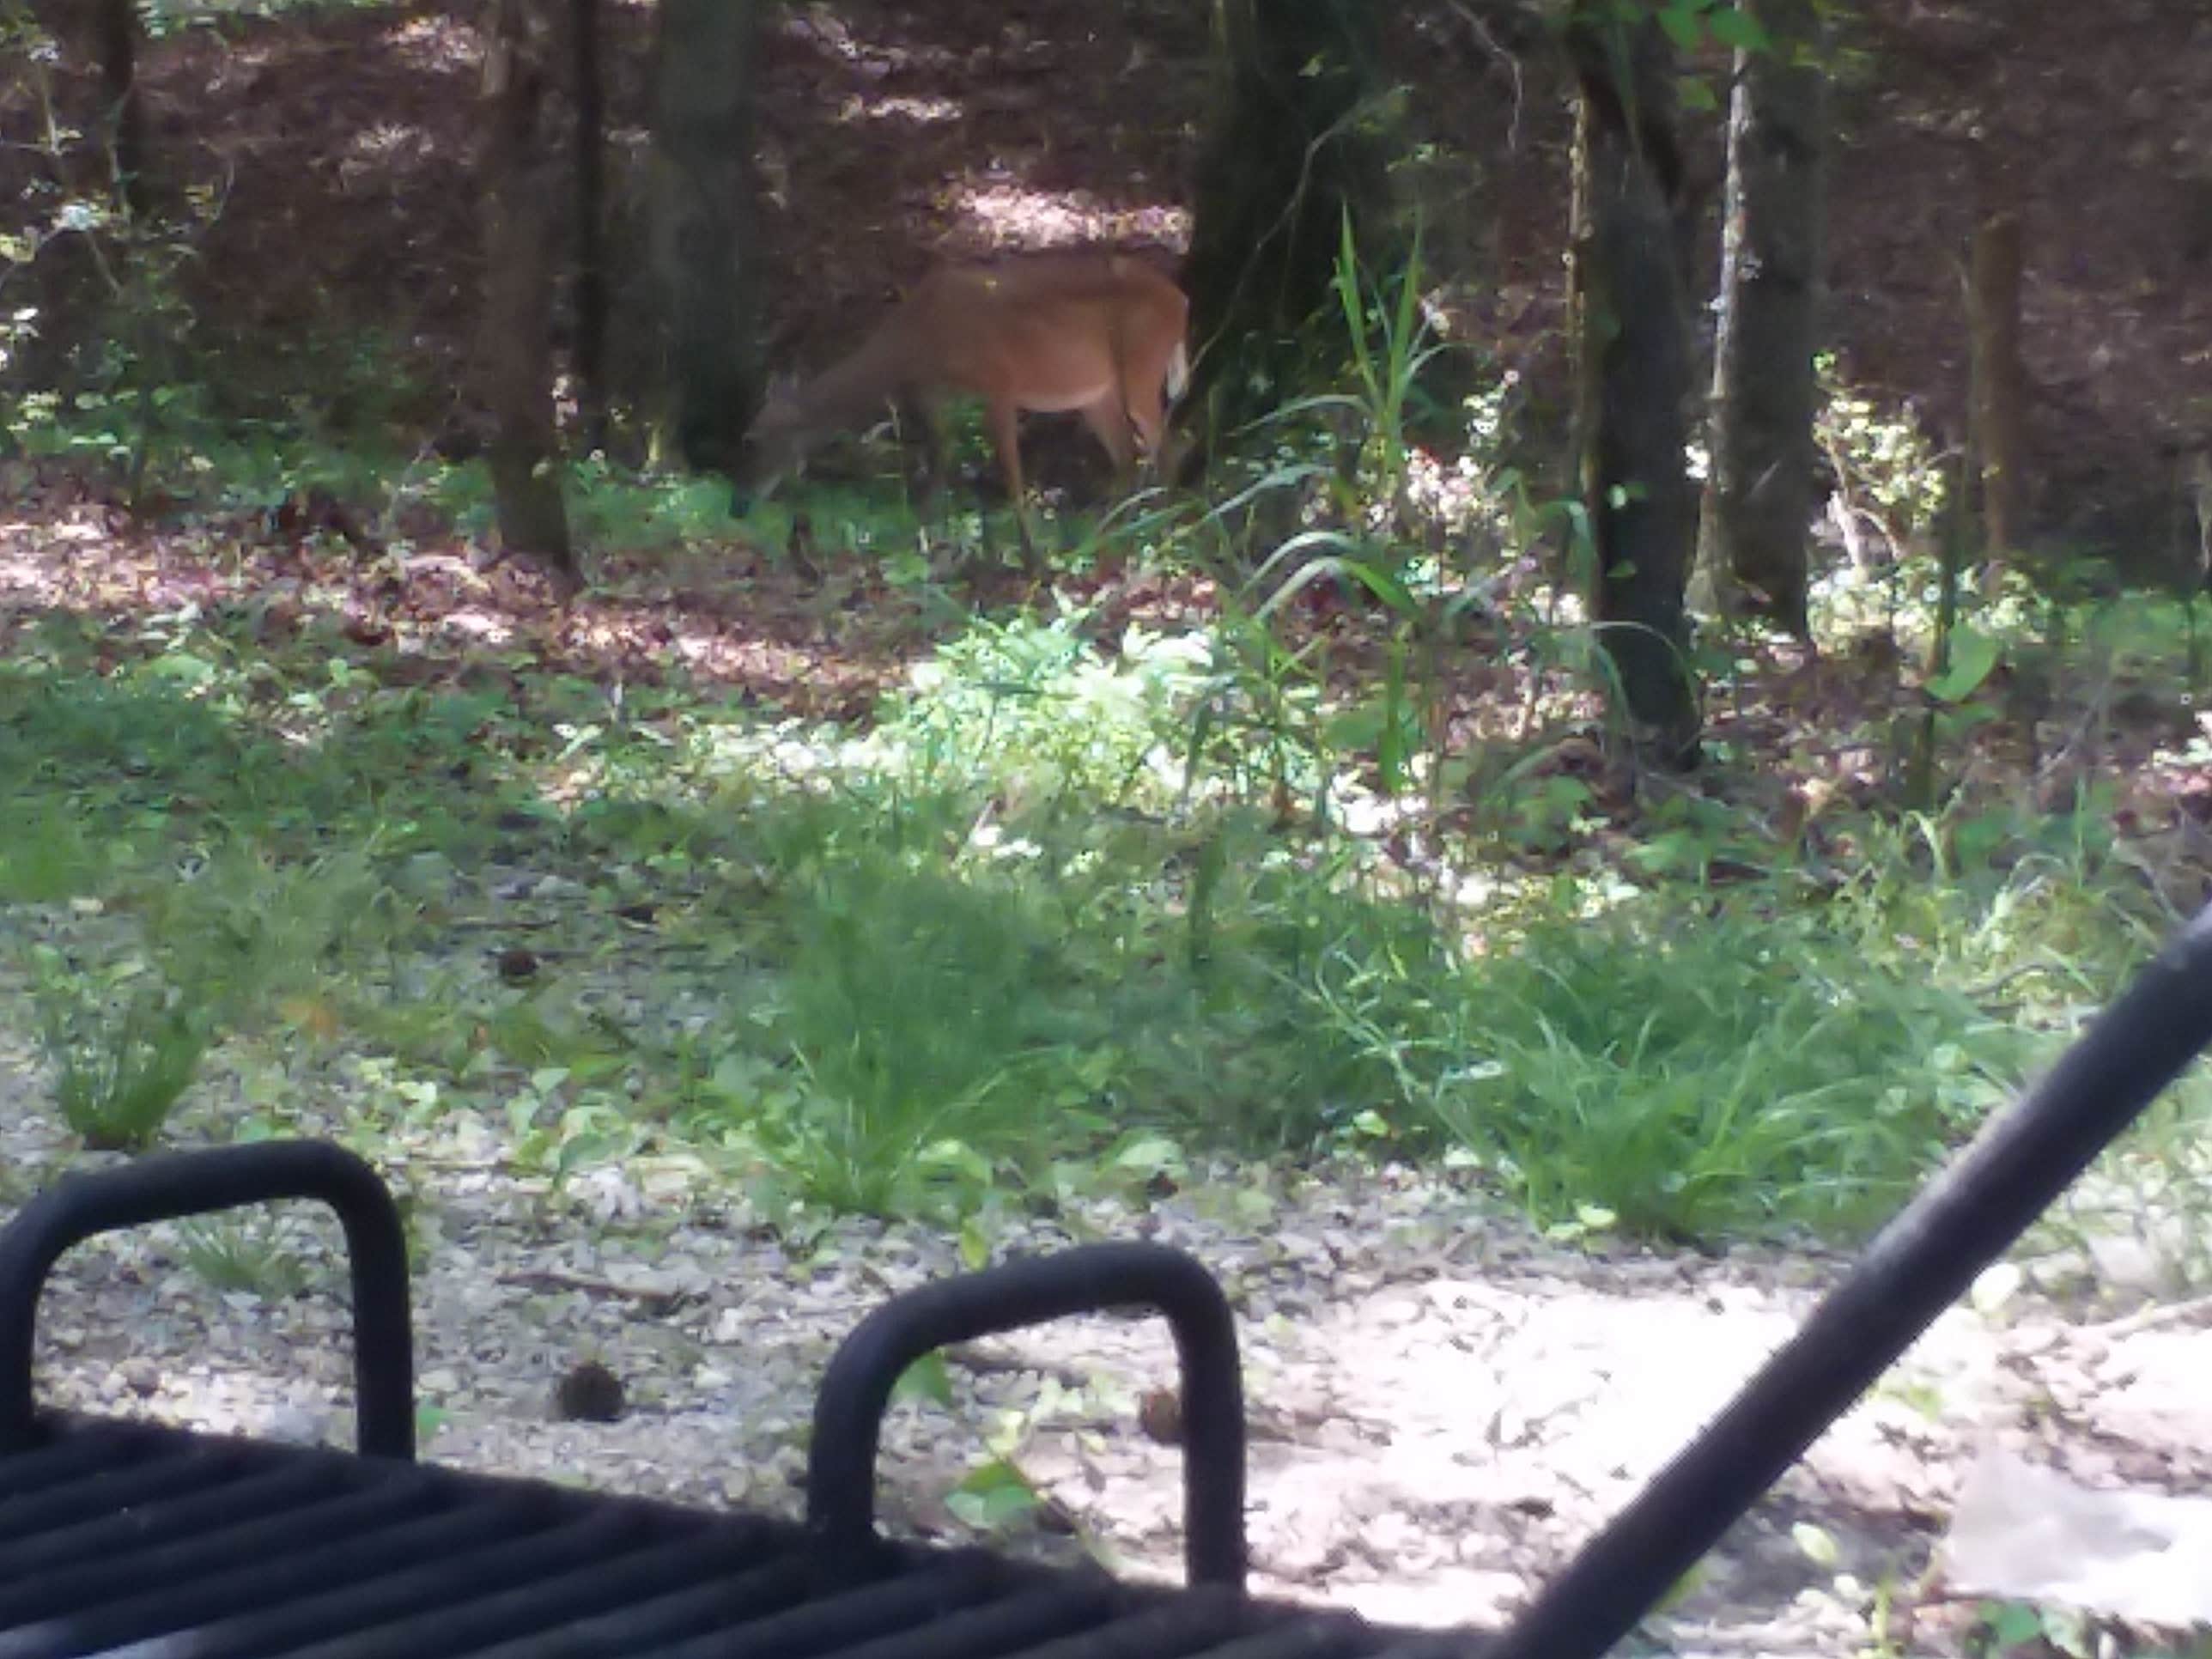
column 247, row 932
column 49, row 851
column 1030, row 710
column 245, row 1255
column 993, row 1495
column 561, row 1140
column 124, row 1045
column 1391, row 345
column 925, row 1044
column 1734, row 1075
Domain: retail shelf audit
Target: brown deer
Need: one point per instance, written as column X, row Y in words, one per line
column 1095, row 331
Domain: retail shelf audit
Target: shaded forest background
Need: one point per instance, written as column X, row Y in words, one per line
column 332, row 150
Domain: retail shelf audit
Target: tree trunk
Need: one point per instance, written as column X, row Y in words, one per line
column 2200, row 495
column 1634, row 374
column 1293, row 150
column 2000, row 382
column 117, row 24
column 518, row 293
column 1760, row 499
column 591, row 349
column 703, row 222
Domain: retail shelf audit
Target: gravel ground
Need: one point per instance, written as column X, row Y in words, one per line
column 1442, row 1405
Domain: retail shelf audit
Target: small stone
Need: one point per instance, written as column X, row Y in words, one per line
column 1160, row 1415
column 140, row 1375
column 293, row 1424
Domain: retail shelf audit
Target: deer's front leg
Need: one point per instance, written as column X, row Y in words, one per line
column 1005, row 437
column 920, row 429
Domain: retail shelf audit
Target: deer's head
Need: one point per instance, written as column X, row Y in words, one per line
column 779, row 440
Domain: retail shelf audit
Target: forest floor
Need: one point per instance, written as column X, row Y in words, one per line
column 335, row 144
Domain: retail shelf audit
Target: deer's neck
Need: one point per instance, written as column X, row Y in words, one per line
column 855, row 388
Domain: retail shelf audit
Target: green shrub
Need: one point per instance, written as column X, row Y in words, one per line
column 124, row 1046
column 1697, row 1076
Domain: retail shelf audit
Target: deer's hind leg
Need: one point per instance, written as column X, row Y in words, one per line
column 1120, row 427
column 1117, row 427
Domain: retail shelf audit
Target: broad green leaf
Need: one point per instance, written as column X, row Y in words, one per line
column 926, row 1379
column 1680, row 23
column 1973, row 654
column 1733, row 27
column 1816, row 1544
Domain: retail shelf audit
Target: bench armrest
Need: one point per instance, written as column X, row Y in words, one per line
column 173, row 1185
column 856, row 1388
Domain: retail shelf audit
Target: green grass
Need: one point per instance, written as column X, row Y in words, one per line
column 245, row 1255
column 1703, row 1076
column 1000, row 936
column 123, row 1045
column 1066, row 912
column 924, row 1044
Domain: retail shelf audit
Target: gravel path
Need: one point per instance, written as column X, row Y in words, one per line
column 1441, row 1406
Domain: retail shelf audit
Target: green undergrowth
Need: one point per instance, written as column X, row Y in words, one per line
column 194, row 448
column 1030, row 934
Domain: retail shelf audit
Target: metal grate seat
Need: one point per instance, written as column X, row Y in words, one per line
column 121, row 1539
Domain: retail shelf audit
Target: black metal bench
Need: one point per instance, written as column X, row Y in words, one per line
column 120, row 1538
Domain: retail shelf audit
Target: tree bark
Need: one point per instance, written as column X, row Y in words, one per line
column 702, row 223
column 1293, row 148
column 117, row 25
column 591, row 294
column 1760, row 498
column 2000, row 380
column 2200, row 495
column 1634, row 374
column 526, row 449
